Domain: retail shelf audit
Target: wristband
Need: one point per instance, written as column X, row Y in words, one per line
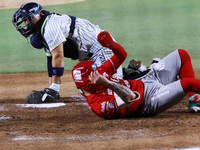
column 56, row 71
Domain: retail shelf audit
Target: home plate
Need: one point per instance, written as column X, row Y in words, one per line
column 49, row 105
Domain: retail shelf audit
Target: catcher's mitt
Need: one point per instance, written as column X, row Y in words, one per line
column 46, row 96
column 134, row 64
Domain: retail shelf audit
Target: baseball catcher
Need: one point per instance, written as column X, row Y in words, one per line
column 61, row 36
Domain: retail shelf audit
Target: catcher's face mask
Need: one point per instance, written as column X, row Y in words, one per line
column 23, row 18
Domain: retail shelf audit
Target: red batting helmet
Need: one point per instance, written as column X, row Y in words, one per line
column 80, row 74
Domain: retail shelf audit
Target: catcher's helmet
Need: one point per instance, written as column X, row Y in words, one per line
column 26, row 13
column 80, row 74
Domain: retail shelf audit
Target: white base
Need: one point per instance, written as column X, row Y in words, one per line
column 46, row 105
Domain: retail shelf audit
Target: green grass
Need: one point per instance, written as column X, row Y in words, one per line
column 145, row 28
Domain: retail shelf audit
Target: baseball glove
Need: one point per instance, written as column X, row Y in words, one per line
column 46, row 96
column 134, row 64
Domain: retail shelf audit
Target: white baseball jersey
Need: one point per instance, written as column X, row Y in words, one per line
column 55, row 30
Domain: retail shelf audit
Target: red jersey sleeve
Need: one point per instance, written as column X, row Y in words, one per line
column 116, row 60
column 103, row 105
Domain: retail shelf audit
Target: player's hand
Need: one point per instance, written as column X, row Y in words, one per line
column 97, row 78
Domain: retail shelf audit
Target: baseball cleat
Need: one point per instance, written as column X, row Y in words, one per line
column 194, row 103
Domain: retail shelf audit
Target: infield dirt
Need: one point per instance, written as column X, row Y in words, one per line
column 75, row 126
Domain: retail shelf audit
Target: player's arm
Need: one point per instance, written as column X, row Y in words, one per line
column 49, row 68
column 120, row 54
column 55, row 69
column 57, row 66
column 122, row 91
column 50, row 81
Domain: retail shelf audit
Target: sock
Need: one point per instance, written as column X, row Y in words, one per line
column 186, row 70
column 55, row 87
column 191, row 85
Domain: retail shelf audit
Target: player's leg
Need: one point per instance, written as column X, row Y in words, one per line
column 169, row 95
column 159, row 98
column 177, row 62
column 192, row 85
column 186, row 70
column 167, row 69
column 189, row 85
